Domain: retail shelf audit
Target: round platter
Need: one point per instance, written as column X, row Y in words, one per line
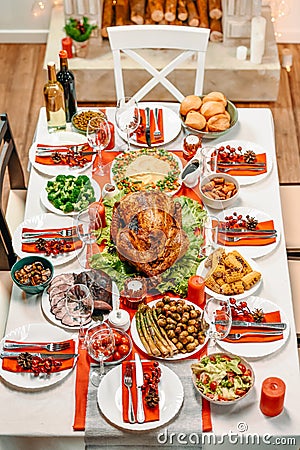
column 109, row 398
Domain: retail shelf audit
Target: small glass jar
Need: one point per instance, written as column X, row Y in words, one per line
column 134, row 293
column 191, row 143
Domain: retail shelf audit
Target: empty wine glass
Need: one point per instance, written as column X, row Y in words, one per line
column 208, row 161
column 89, row 229
column 80, row 305
column 209, row 232
column 127, row 116
column 98, row 136
column 100, row 344
column 217, row 314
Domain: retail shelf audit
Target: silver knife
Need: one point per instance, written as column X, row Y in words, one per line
column 148, row 136
column 140, row 415
column 270, row 325
column 41, row 355
column 243, row 230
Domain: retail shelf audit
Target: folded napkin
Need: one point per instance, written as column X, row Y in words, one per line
column 81, row 389
column 47, row 160
column 151, row 414
column 260, row 158
column 141, row 137
column 12, row 365
column 273, row 316
column 267, row 225
column 52, row 233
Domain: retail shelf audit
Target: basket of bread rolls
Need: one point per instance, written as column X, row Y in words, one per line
column 210, row 115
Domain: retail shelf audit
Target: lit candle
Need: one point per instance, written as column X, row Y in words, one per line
column 257, row 42
column 241, row 53
column 287, row 59
column 196, row 285
column 272, row 396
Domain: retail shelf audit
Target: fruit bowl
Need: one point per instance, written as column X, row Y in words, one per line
column 221, row 390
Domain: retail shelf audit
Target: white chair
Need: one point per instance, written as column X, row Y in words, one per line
column 188, row 40
column 290, row 204
column 294, row 270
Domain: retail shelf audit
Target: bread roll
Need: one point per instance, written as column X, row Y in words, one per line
column 215, row 97
column 210, row 109
column 195, row 120
column 191, row 102
column 218, row 122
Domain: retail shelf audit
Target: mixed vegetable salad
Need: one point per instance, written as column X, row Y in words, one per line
column 223, row 378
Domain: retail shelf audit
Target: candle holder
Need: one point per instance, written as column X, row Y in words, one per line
column 272, row 396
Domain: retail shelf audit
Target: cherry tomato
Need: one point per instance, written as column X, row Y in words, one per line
column 124, row 340
column 247, row 373
column 123, row 349
column 242, row 367
column 212, row 358
column 110, row 358
column 204, row 378
column 213, row 385
column 117, row 337
column 240, row 392
column 116, row 356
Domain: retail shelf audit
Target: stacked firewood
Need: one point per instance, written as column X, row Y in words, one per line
column 193, row 13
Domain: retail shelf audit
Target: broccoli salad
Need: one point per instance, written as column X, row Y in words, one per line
column 69, row 193
column 222, row 377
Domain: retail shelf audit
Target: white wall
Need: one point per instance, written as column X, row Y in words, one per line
column 17, row 23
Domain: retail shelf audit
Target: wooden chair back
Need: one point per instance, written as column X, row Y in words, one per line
column 129, row 39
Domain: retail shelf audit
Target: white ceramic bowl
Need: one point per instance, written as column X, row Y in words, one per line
column 214, row 203
column 225, row 402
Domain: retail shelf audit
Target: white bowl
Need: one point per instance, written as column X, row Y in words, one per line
column 214, row 203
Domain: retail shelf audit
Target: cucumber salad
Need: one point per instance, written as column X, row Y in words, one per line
column 221, row 377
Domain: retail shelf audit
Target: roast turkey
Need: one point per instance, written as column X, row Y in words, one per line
column 147, row 230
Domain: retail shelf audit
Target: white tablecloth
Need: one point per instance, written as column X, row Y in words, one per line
column 49, row 413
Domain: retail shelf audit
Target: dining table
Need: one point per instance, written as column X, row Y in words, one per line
column 43, row 418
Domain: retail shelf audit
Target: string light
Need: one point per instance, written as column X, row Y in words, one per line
column 38, row 7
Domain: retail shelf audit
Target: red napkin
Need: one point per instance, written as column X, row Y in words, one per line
column 141, row 136
column 47, row 160
column 260, row 158
column 81, row 389
column 12, row 366
column 53, row 233
column 151, row 414
column 273, row 316
column 267, row 225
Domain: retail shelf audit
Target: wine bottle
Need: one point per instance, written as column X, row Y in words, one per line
column 67, row 80
column 55, row 101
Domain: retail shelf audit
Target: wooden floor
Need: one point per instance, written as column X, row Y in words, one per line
column 21, row 96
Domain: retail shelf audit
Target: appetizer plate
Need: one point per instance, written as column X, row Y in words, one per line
column 40, row 222
column 247, row 145
column 202, row 271
column 59, row 138
column 46, row 308
column 35, row 332
column 109, row 398
column 172, row 127
column 258, row 349
column 136, row 339
column 254, row 251
column 48, row 205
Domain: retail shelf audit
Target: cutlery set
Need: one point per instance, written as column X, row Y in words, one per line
column 52, row 347
column 140, row 414
column 157, row 131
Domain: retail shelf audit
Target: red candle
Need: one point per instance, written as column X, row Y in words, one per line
column 67, row 45
column 272, row 396
column 196, row 285
column 111, row 144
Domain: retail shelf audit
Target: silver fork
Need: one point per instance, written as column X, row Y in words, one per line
column 157, row 132
column 128, row 384
column 64, row 233
column 236, row 239
column 52, row 347
column 237, row 336
column 253, row 169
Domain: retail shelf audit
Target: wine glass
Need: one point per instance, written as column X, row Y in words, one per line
column 89, row 229
column 127, row 116
column 208, row 161
column 209, row 231
column 100, row 344
column 217, row 314
column 98, row 136
column 79, row 305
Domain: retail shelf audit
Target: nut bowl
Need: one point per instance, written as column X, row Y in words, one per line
column 81, row 119
column 234, row 386
column 215, row 203
column 23, row 270
column 230, row 108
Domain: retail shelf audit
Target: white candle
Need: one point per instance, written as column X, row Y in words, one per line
column 80, row 7
column 257, row 42
column 92, row 7
column 287, row 59
column 68, row 7
column 241, row 53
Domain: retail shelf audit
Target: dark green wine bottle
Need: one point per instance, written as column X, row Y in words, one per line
column 67, row 80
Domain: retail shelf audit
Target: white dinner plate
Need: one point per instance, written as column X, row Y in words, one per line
column 247, row 145
column 40, row 222
column 46, row 307
column 136, row 338
column 253, row 251
column 59, row 138
column 172, row 127
column 35, row 332
column 202, row 271
column 258, row 349
column 109, row 398
column 48, row 205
